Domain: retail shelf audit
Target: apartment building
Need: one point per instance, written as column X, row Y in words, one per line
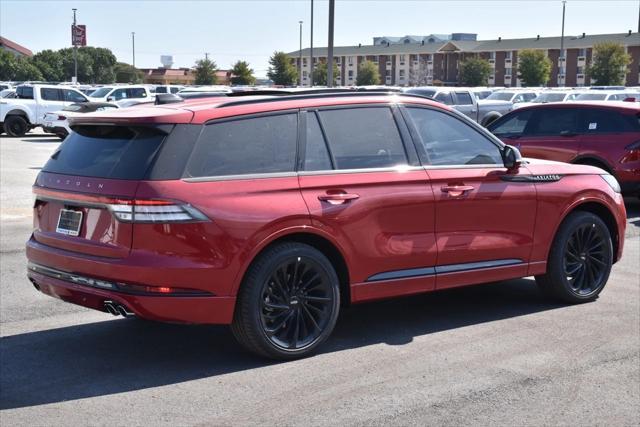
column 435, row 59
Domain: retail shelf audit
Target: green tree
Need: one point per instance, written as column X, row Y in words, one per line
column 475, row 72
column 50, row 64
column 242, row 74
column 95, row 64
column 368, row 74
column 609, row 65
column 320, row 74
column 17, row 68
column 126, row 73
column 205, row 71
column 534, row 68
column 281, row 70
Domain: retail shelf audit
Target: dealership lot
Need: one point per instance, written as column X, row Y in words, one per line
column 491, row 354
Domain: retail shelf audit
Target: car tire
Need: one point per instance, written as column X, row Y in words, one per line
column 580, row 260
column 15, row 126
column 288, row 303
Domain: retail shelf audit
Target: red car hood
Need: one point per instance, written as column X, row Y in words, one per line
column 549, row 167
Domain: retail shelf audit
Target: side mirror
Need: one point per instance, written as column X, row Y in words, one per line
column 111, row 98
column 511, row 157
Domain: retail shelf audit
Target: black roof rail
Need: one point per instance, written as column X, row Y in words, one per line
column 317, row 94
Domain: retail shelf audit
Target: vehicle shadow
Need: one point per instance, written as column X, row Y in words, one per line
column 632, row 204
column 44, row 140
column 117, row 356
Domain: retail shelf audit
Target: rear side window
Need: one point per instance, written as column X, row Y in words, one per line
column 361, row 138
column 463, row 98
column 49, row 94
column 445, row 98
column 605, row 121
column 115, row 152
column 246, row 146
column 316, row 156
column 24, row 92
column 513, row 124
column 161, row 89
column 552, row 121
column 445, row 140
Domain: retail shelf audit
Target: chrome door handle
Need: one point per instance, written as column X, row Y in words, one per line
column 456, row 190
column 338, row 198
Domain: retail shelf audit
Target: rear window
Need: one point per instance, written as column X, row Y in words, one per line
column 114, row 152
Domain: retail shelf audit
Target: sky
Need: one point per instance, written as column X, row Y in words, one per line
column 252, row 30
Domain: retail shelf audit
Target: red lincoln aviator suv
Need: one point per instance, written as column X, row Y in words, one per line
column 268, row 213
column 602, row 134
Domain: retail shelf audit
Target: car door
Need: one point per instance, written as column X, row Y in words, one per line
column 484, row 219
column 551, row 133
column 364, row 187
column 465, row 105
column 51, row 100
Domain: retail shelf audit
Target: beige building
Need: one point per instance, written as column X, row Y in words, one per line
column 435, row 59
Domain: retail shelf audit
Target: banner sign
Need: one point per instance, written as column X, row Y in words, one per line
column 79, row 35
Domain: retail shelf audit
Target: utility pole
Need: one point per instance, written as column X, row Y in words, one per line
column 75, row 49
column 563, row 59
column 133, row 47
column 332, row 4
column 300, row 55
column 311, row 67
column 206, row 56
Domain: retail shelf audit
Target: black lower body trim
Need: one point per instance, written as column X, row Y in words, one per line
column 441, row 269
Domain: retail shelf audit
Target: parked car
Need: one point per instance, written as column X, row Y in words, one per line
column 58, row 121
column 550, row 96
column 514, row 96
column 7, row 93
column 608, row 95
column 27, row 110
column 270, row 213
column 482, row 111
column 122, row 95
column 204, row 91
column 168, row 89
column 601, row 134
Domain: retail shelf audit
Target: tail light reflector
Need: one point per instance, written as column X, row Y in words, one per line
column 633, row 154
column 155, row 211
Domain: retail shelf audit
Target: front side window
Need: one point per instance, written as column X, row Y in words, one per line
column 50, row 94
column 445, row 98
column 245, row 146
column 362, row 138
column 73, row 96
column 511, row 125
column 119, row 94
column 446, row 140
column 552, row 121
column 24, row 92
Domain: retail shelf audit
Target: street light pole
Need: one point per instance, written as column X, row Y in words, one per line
column 133, row 47
column 300, row 55
column 75, row 48
column 332, row 4
column 563, row 59
column 311, row 67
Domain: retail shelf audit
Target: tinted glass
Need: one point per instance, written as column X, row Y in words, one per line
column 247, row 146
column 99, row 93
column 119, row 94
column 552, row 121
column 363, row 138
column 137, row 92
column 175, row 89
column 501, row 96
column 49, row 94
column 445, row 98
column 605, row 121
column 549, row 97
column 513, row 124
column 423, row 92
column 73, row 96
column 446, row 140
column 463, row 98
column 316, row 155
column 115, row 152
column 161, row 89
column 528, row 96
column 591, row 97
column 24, row 92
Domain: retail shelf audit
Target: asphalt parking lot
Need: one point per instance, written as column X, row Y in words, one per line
column 493, row 354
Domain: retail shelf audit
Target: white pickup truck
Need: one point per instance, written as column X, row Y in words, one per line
column 27, row 110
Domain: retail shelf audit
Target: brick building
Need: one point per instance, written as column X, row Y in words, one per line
column 427, row 60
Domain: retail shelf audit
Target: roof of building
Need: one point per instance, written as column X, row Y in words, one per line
column 570, row 42
column 15, row 46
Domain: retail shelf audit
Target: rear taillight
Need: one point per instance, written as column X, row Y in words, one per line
column 154, row 211
column 62, row 118
column 633, row 153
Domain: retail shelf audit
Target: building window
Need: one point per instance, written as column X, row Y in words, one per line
column 492, row 55
column 304, row 62
column 508, row 55
column 304, row 74
column 401, row 73
column 388, row 73
column 350, row 60
column 429, row 57
column 402, row 58
column 582, row 52
column 507, row 71
column 580, row 70
column 350, row 74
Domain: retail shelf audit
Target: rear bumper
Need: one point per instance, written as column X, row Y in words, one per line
column 58, row 130
column 73, row 284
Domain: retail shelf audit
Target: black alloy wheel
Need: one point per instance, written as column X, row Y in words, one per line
column 586, row 261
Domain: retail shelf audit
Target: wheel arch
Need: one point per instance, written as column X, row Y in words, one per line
column 18, row 112
column 593, row 160
column 489, row 118
column 314, row 239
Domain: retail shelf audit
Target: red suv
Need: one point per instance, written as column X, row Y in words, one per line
column 602, row 134
column 270, row 213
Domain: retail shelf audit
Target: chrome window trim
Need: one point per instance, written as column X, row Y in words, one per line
column 242, row 177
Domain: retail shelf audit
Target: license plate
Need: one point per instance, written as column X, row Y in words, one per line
column 69, row 222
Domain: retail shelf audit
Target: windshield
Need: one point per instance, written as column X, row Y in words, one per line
column 102, row 92
column 423, row 92
column 591, row 97
column 550, row 97
column 501, row 96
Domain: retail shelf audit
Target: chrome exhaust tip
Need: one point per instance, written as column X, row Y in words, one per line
column 110, row 308
column 123, row 311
